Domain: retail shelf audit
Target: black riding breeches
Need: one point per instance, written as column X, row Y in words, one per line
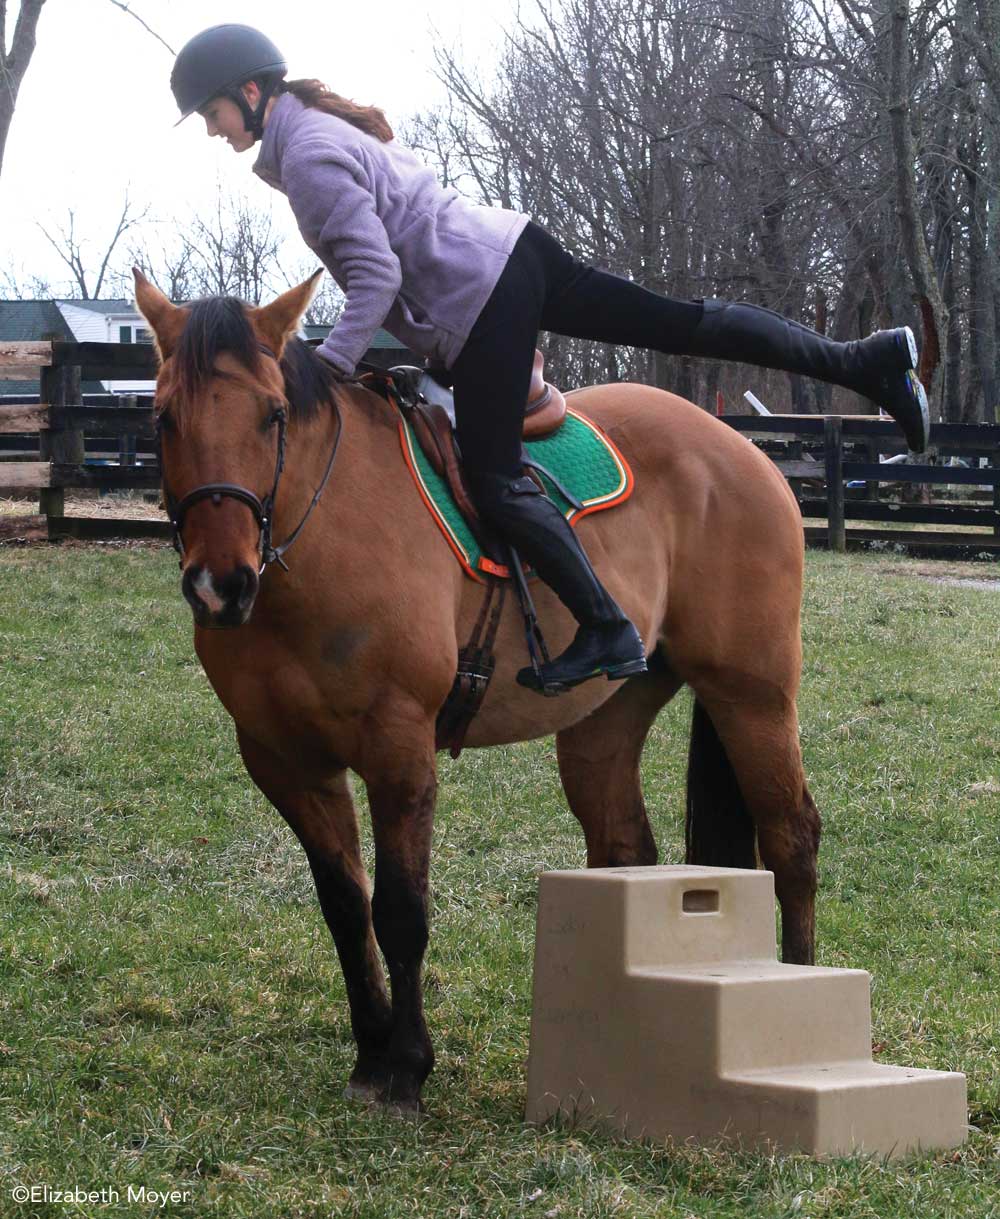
column 543, row 287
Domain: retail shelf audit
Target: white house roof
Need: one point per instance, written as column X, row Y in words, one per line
column 110, row 308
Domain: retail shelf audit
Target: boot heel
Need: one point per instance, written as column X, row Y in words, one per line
column 631, row 668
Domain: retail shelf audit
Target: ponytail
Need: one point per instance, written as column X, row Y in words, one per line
column 315, row 95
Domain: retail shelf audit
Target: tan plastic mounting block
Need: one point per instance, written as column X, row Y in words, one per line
column 660, row 1010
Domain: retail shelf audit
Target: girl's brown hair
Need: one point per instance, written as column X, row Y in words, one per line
column 317, row 96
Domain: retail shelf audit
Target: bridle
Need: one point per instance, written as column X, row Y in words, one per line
column 262, row 509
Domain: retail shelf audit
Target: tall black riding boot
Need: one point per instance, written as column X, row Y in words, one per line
column 879, row 367
column 606, row 642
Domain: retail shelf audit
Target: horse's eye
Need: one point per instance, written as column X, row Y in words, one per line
column 164, row 420
column 276, row 416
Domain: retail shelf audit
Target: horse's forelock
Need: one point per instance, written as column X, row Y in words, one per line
column 219, row 324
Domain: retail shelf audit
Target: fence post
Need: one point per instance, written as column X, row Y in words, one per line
column 127, row 441
column 872, row 448
column 833, row 435
column 995, row 463
column 59, row 387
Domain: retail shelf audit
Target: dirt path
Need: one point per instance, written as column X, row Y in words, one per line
column 21, row 524
column 940, row 571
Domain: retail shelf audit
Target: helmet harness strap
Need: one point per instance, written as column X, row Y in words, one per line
column 253, row 117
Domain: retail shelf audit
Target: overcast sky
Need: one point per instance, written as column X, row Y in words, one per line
column 95, row 114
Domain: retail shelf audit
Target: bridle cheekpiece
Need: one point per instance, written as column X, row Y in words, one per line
column 262, row 509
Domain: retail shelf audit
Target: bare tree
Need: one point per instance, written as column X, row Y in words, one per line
column 328, row 303
column 168, row 263
column 73, row 249
column 14, row 60
column 833, row 159
column 914, row 239
column 18, row 284
column 231, row 251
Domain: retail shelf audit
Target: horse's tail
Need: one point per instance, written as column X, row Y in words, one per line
column 719, row 830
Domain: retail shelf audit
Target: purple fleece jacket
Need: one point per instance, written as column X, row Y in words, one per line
column 409, row 254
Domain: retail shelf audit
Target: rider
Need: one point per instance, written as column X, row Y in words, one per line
column 469, row 287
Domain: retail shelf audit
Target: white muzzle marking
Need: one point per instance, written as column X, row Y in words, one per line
column 205, row 589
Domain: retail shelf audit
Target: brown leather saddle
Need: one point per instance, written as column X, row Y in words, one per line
column 431, row 415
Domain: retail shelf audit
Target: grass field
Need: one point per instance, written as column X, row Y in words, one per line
column 172, row 1017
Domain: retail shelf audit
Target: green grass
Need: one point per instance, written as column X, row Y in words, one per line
column 172, row 1016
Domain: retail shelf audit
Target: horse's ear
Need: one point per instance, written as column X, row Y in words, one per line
column 279, row 320
column 166, row 319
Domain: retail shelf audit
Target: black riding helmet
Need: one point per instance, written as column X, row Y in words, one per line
column 217, row 61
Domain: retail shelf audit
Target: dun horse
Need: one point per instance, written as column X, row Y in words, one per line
column 342, row 661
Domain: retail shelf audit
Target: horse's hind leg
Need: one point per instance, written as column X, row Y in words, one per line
column 599, row 766
column 323, row 818
column 760, row 737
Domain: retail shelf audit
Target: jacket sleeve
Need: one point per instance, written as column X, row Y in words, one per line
column 335, row 210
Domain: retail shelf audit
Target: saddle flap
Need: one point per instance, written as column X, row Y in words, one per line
column 430, row 407
column 433, row 429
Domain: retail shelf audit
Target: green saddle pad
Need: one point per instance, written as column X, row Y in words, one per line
column 580, row 455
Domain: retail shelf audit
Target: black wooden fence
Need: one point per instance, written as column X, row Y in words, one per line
column 836, row 464
column 838, row 467
column 62, row 418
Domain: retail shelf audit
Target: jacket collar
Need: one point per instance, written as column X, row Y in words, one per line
column 281, row 123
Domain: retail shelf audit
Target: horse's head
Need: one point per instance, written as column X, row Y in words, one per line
column 222, row 409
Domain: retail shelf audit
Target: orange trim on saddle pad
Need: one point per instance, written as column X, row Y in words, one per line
column 431, row 506
column 459, row 537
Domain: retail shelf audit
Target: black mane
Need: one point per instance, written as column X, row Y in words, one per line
column 219, row 324
column 309, row 380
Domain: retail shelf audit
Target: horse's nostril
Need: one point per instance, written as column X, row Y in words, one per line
column 191, row 574
column 241, row 587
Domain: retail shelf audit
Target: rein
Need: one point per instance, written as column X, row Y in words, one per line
column 262, row 509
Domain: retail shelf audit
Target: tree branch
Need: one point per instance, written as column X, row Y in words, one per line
column 127, row 8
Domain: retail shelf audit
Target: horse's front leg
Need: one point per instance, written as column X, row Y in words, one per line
column 322, row 815
column 401, row 779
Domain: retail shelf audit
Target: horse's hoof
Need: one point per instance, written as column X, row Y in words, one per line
column 362, row 1090
column 373, row 1093
column 408, row 1110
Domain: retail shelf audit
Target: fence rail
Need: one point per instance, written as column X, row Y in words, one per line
column 847, row 451
column 821, row 456
column 61, row 418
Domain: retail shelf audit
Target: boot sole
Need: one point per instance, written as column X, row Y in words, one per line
column 630, row 668
column 920, row 395
column 908, row 346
